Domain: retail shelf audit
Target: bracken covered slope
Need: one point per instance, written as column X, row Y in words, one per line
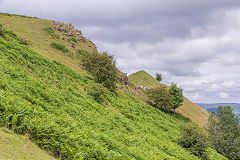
column 46, row 100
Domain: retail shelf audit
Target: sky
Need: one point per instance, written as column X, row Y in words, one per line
column 193, row 43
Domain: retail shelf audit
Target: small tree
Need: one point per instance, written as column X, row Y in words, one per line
column 161, row 98
column 195, row 140
column 103, row 67
column 224, row 132
column 158, row 77
column 176, row 92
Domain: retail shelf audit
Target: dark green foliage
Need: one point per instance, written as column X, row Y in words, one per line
column 23, row 41
column 74, row 40
column 51, row 32
column 224, row 131
column 195, row 140
column 11, row 36
column 81, row 52
column 2, row 31
column 97, row 91
column 58, row 46
column 102, row 66
column 161, row 98
column 176, row 92
column 158, row 77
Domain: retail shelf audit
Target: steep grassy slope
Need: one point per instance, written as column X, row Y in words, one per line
column 16, row 147
column 188, row 109
column 35, row 31
column 46, row 100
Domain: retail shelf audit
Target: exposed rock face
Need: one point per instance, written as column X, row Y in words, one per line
column 72, row 45
column 124, row 79
column 129, row 90
column 143, row 88
column 69, row 30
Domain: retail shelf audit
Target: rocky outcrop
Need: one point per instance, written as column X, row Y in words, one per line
column 69, row 30
column 124, row 79
column 142, row 87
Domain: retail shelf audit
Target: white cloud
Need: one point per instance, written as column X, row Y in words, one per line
column 223, row 95
column 229, row 84
column 196, row 97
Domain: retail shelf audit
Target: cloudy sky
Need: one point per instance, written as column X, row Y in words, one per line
column 194, row 43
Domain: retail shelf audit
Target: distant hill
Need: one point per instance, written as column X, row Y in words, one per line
column 142, row 78
column 188, row 109
column 235, row 106
column 43, row 95
column 214, row 106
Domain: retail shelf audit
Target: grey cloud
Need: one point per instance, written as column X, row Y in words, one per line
column 191, row 42
column 122, row 21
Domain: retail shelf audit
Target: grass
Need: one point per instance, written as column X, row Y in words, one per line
column 13, row 146
column 142, row 78
column 194, row 112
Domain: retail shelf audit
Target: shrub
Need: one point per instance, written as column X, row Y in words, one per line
column 103, row 67
column 74, row 40
column 158, row 77
column 161, row 98
column 58, row 46
column 1, row 31
column 177, row 95
column 97, row 91
column 81, row 52
column 195, row 140
column 50, row 31
column 23, row 41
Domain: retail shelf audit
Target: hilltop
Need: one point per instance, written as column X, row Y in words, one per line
column 40, row 33
column 43, row 96
column 188, row 108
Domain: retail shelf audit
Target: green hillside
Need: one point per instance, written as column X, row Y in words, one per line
column 17, row 147
column 188, row 108
column 40, row 34
column 46, row 100
column 142, row 78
